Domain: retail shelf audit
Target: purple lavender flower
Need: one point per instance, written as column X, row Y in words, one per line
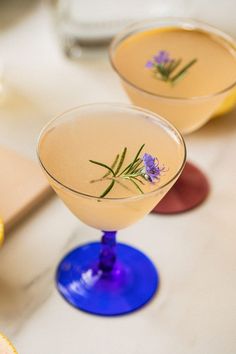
column 162, row 66
column 152, row 169
column 162, row 57
column 149, row 64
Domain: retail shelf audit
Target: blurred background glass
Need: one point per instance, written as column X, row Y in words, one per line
column 1, row 81
column 89, row 23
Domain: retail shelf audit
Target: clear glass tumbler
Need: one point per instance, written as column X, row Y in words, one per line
column 87, row 23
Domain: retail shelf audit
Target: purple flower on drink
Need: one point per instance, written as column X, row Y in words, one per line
column 146, row 167
column 152, row 170
column 165, row 68
column 162, row 57
column 149, row 64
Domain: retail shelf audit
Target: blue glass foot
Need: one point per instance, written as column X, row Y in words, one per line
column 129, row 284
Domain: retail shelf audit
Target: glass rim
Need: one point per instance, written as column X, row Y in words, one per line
column 179, row 22
column 122, row 106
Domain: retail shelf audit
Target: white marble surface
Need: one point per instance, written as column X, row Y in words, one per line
column 195, row 309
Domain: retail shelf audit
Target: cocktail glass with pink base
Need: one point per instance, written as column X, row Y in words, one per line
column 182, row 70
column 110, row 164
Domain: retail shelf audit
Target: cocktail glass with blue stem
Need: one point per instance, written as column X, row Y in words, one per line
column 109, row 278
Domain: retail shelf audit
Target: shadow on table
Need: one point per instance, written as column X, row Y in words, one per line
column 12, row 11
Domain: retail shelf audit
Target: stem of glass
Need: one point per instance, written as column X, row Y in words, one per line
column 107, row 256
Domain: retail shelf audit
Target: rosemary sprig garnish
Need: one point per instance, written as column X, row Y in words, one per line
column 103, row 165
column 146, row 168
column 112, row 166
column 108, row 189
column 122, row 158
column 163, row 67
column 183, row 71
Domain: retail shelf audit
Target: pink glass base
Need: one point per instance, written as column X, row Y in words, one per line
column 191, row 189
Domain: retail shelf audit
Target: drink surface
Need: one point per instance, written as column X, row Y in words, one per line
column 214, row 71
column 96, row 133
column 66, row 149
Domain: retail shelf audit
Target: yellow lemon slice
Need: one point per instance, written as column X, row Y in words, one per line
column 228, row 104
column 5, row 346
column 1, row 233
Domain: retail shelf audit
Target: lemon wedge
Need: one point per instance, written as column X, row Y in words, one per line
column 5, row 346
column 228, row 104
column 1, row 232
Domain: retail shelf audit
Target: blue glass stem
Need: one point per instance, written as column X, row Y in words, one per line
column 107, row 256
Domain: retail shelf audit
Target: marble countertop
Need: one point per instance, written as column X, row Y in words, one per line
column 195, row 310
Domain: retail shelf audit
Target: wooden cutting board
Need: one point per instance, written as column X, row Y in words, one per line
column 22, row 186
